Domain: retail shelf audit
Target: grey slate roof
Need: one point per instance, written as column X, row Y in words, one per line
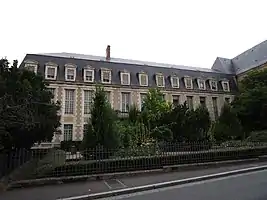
column 132, row 66
column 253, row 57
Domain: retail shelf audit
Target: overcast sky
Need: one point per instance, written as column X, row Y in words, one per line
column 185, row 32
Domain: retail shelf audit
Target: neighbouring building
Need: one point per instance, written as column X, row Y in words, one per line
column 72, row 78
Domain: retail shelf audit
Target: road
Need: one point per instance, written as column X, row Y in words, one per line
column 252, row 186
column 53, row 192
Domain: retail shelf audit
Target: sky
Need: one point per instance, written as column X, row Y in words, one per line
column 182, row 32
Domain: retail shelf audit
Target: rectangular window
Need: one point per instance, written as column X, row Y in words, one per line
column 51, row 73
column 68, row 132
column 202, row 101
column 188, row 83
column 30, row 67
column 190, row 102
column 70, row 74
column 142, row 98
column 69, row 101
column 87, row 101
column 143, row 79
column 106, row 76
column 160, row 81
column 225, row 85
column 85, row 128
column 108, row 96
column 175, row 82
column 125, row 78
column 215, row 107
column 201, row 84
column 175, row 100
column 88, row 75
column 213, row 85
column 125, row 101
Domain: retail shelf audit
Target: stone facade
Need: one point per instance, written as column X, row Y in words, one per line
column 80, row 72
column 78, row 119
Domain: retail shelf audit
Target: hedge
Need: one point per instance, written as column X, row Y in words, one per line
column 153, row 162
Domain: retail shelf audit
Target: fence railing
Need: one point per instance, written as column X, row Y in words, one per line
column 32, row 164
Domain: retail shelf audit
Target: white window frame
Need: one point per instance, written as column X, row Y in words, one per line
column 157, row 80
column 228, row 86
column 141, row 96
column 93, row 75
column 129, row 103
column 70, row 67
column 204, row 84
column 46, row 72
column 172, row 82
column 74, row 101
column 216, row 84
column 31, row 64
column 177, row 97
column 102, row 76
column 90, row 101
column 140, row 78
column 128, row 78
column 68, row 135
column 185, row 82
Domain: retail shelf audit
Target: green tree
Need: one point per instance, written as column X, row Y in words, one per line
column 251, row 104
column 27, row 113
column 154, row 107
column 196, row 125
column 228, row 126
column 101, row 128
column 175, row 119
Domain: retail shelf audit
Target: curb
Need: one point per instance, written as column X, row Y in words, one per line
column 165, row 169
column 164, row 184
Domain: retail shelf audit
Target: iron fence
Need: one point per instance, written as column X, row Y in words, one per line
column 32, row 164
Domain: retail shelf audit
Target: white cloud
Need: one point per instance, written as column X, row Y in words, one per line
column 186, row 32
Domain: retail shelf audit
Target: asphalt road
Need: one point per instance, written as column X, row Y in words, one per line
column 252, row 186
column 53, row 192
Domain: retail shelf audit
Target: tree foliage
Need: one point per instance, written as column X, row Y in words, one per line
column 228, row 126
column 27, row 114
column 251, row 104
column 197, row 124
column 101, row 128
column 154, row 107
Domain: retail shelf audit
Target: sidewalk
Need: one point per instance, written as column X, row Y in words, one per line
column 53, row 192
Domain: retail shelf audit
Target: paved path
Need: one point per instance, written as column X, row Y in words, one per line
column 252, row 186
column 54, row 192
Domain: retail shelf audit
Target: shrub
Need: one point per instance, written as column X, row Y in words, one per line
column 227, row 127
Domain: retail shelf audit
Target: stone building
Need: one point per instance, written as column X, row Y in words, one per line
column 72, row 78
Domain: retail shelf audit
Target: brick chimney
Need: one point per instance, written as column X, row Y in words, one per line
column 108, row 53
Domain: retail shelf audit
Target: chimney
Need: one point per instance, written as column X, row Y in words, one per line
column 108, row 53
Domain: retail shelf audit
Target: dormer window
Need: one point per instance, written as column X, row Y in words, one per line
column 88, row 75
column 160, row 81
column 188, row 82
column 125, row 78
column 225, row 86
column 201, row 84
column 175, row 82
column 213, row 85
column 31, row 66
column 51, row 71
column 143, row 79
column 106, row 76
column 70, row 72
